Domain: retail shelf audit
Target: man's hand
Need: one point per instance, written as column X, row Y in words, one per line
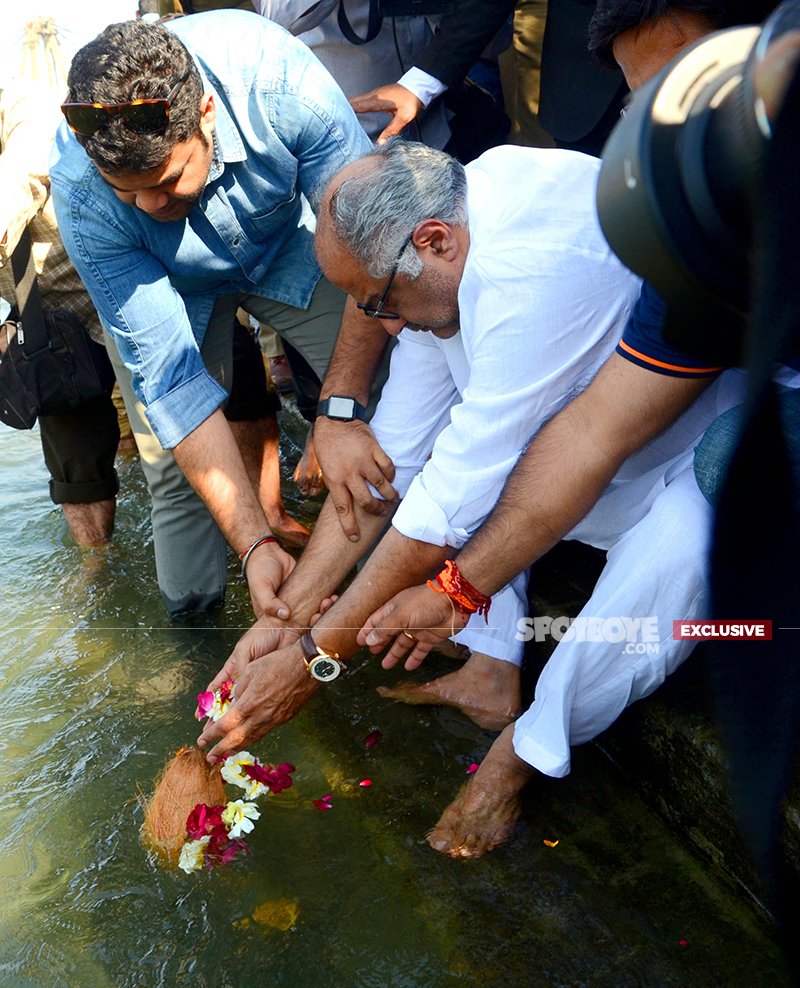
column 267, row 569
column 394, row 99
column 270, row 691
column 423, row 618
column 267, row 635
column 351, row 458
column 7, row 331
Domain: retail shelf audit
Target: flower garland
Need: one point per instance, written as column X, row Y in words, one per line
column 214, row 833
column 217, row 704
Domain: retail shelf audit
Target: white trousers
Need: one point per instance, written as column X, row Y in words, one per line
column 656, row 570
column 656, row 527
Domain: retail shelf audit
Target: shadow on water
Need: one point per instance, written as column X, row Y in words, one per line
column 98, row 690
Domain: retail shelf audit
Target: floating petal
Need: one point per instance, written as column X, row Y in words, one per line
column 372, row 738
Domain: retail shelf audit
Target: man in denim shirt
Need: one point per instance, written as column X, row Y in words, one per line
column 178, row 208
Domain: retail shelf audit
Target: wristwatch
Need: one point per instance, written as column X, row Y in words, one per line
column 323, row 666
column 342, row 409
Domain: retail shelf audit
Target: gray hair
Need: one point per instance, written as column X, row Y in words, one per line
column 374, row 214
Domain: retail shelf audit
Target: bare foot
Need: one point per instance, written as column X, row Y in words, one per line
column 257, row 440
column 308, row 473
column 486, row 690
column 292, row 533
column 127, row 446
column 485, row 811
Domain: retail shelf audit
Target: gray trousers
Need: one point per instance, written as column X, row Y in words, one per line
column 191, row 552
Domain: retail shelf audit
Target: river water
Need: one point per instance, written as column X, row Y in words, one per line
column 97, row 691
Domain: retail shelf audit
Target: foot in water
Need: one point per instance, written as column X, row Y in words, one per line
column 291, row 533
column 485, row 812
column 308, row 473
column 487, row 690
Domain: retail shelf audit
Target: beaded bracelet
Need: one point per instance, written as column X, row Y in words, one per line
column 467, row 598
column 245, row 554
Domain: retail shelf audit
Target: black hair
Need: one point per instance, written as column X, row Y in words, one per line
column 135, row 60
column 613, row 17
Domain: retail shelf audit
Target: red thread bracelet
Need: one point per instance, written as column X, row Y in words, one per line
column 467, row 598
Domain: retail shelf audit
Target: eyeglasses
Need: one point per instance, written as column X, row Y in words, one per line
column 377, row 311
column 142, row 116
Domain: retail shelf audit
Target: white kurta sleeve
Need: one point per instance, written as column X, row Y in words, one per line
column 414, row 406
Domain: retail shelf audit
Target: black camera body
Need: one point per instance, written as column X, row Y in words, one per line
column 678, row 189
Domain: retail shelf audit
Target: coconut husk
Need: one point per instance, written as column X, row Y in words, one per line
column 187, row 780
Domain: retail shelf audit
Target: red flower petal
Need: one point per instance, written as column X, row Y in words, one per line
column 225, row 690
column 277, row 778
column 372, row 738
column 203, row 820
column 473, row 768
column 365, row 782
column 324, row 803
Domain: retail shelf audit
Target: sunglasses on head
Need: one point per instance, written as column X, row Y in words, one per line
column 143, row 116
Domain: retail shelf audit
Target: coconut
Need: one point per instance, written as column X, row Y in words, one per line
column 187, row 779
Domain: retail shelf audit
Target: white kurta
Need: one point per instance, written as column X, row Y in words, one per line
column 543, row 302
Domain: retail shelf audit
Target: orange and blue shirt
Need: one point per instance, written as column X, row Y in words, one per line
column 643, row 341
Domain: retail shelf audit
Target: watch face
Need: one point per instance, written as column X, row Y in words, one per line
column 324, row 669
column 341, row 408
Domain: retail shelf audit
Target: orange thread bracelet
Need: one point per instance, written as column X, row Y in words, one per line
column 467, row 598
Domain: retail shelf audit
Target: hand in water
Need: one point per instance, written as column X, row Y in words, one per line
column 269, row 692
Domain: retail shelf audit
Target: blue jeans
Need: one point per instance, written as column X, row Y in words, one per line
column 715, row 450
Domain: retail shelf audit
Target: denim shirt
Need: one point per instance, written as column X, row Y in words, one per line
column 283, row 128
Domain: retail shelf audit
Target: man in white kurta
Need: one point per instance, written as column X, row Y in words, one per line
column 505, row 308
column 541, row 309
column 542, row 303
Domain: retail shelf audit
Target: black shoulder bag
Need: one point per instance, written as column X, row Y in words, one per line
column 51, row 364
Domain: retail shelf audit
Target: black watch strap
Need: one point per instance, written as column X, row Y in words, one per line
column 342, row 408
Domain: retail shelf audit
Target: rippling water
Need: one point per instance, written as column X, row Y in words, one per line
column 97, row 690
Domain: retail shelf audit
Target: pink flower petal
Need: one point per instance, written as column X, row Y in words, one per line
column 205, row 701
column 324, row 803
column 372, row 738
column 231, row 850
column 365, row 782
column 473, row 768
